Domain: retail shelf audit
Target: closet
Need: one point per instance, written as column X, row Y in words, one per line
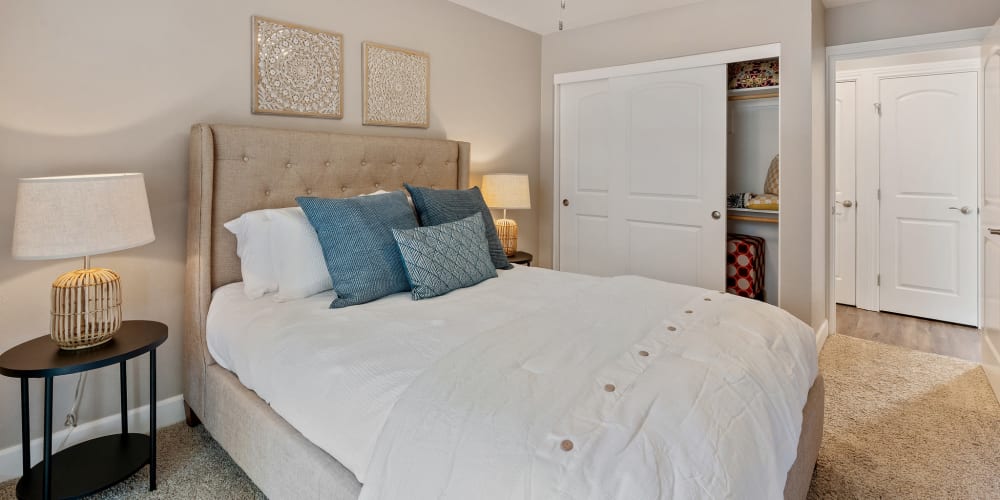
column 752, row 149
column 645, row 157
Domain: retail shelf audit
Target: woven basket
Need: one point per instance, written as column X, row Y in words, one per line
column 507, row 230
column 86, row 308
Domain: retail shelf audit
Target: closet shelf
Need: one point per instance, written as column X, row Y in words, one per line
column 754, row 93
column 751, row 215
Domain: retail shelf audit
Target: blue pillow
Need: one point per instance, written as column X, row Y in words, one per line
column 360, row 252
column 446, row 257
column 438, row 206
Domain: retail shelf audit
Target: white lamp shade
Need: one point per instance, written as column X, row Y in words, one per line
column 507, row 191
column 80, row 215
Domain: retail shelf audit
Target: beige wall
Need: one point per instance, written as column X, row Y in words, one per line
column 881, row 19
column 111, row 86
column 822, row 252
column 708, row 26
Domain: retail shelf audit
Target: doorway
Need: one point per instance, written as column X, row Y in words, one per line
column 906, row 160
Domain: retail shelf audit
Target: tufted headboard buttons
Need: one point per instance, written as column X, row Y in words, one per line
column 253, row 168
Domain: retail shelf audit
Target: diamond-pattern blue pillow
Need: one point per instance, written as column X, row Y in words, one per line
column 438, row 206
column 360, row 252
column 445, row 257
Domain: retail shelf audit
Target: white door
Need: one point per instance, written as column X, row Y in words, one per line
column 643, row 176
column 846, row 202
column 991, row 202
column 585, row 159
column 928, row 158
column 668, row 207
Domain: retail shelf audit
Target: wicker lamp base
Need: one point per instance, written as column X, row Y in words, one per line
column 507, row 229
column 86, row 308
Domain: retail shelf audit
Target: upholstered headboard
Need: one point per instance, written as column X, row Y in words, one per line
column 236, row 169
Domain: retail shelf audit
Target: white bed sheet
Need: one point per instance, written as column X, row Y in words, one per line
column 336, row 375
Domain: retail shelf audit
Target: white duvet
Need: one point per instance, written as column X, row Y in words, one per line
column 537, row 384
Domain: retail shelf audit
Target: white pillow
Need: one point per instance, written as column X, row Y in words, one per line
column 280, row 252
column 253, row 246
column 298, row 257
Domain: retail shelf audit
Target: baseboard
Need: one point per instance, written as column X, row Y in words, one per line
column 991, row 363
column 821, row 334
column 168, row 412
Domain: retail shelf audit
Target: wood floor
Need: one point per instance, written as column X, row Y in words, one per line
column 915, row 333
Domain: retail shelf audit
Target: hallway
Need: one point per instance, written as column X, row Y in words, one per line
column 920, row 334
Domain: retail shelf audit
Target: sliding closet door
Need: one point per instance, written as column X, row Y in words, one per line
column 585, row 158
column 666, row 209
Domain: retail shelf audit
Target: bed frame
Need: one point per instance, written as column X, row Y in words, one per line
column 236, row 169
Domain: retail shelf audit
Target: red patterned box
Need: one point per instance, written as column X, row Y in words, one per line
column 745, row 266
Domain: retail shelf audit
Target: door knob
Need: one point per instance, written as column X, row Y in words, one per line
column 716, row 215
column 964, row 210
column 565, row 202
column 846, row 203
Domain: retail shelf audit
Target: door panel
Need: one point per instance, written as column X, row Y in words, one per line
column 845, row 265
column 584, row 155
column 670, row 144
column 928, row 160
column 647, row 258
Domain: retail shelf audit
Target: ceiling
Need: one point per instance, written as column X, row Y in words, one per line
column 542, row 16
column 840, row 3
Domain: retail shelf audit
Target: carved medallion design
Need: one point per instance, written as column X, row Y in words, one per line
column 396, row 87
column 297, row 70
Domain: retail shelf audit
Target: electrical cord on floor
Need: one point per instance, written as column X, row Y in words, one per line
column 71, row 417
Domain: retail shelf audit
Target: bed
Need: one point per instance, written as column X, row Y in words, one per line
column 235, row 169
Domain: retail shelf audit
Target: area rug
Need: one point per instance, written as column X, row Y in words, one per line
column 905, row 424
column 900, row 424
column 190, row 465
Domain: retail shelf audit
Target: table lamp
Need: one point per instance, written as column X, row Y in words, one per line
column 80, row 216
column 507, row 192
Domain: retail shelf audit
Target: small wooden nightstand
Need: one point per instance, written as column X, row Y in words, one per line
column 94, row 465
column 521, row 258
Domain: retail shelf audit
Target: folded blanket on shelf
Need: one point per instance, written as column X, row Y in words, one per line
column 763, row 202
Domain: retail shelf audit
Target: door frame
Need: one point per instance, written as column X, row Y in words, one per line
column 676, row 63
column 972, row 37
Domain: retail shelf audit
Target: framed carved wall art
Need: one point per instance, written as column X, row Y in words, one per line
column 297, row 70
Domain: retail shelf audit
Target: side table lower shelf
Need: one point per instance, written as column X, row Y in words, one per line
column 89, row 467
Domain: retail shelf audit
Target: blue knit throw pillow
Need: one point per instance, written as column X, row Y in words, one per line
column 438, row 206
column 446, row 257
column 360, row 252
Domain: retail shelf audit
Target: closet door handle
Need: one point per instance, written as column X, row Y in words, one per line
column 964, row 210
column 994, row 231
column 565, row 202
column 846, row 203
column 716, row 215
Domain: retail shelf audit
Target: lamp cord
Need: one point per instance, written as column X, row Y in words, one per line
column 71, row 417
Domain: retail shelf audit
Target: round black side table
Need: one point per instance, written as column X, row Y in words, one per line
column 523, row 258
column 93, row 465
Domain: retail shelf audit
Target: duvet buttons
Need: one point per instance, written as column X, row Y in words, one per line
column 644, row 353
column 689, row 312
column 609, row 387
column 566, row 445
column 707, row 299
column 672, row 328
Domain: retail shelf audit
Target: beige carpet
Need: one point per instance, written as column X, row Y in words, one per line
column 900, row 424
column 905, row 424
column 189, row 465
